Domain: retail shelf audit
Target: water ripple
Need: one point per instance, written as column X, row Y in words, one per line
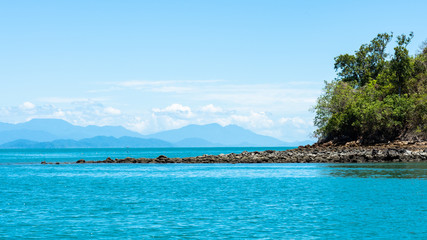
column 213, row 201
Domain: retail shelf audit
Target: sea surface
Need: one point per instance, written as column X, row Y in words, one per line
column 206, row 201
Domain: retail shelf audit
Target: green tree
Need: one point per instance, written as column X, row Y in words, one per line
column 401, row 62
column 375, row 98
column 367, row 63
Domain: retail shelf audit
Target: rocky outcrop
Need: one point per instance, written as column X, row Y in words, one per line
column 318, row 153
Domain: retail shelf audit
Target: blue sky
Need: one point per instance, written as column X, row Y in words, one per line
column 157, row 65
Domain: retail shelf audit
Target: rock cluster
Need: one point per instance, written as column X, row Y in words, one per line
column 317, row 153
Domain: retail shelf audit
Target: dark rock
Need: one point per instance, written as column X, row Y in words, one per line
column 109, row 160
column 374, row 152
column 320, row 153
column 162, row 157
column 392, row 154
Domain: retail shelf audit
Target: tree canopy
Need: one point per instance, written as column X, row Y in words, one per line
column 376, row 96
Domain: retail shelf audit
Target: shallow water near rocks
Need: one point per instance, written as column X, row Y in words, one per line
column 213, row 201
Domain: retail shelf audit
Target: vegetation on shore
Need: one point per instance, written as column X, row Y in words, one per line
column 377, row 96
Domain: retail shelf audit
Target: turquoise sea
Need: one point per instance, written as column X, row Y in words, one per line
column 206, row 201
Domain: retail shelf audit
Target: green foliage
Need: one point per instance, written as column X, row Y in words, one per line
column 366, row 63
column 401, row 62
column 375, row 98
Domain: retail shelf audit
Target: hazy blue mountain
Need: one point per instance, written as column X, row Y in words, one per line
column 55, row 133
column 131, row 142
column 33, row 135
column 6, row 126
column 41, row 130
column 196, row 142
column 95, row 142
column 231, row 135
column 21, row 143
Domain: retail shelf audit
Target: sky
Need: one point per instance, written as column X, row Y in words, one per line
column 157, row 65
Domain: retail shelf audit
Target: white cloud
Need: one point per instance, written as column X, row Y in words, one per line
column 175, row 109
column 289, row 99
column 296, row 121
column 4, row 111
column 253, row 120
column 292, row 98
column 112, row 111
column 210, row 108
column 137, row 124
column 79, row 113
column 27, row 106
column 59, row 114
column 166, row 122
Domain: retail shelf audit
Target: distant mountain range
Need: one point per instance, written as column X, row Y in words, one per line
column 56, row 133
column 45, row 130
column 230, row 135
column 95, row 142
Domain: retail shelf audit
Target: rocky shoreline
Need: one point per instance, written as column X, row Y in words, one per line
column 352, row 152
